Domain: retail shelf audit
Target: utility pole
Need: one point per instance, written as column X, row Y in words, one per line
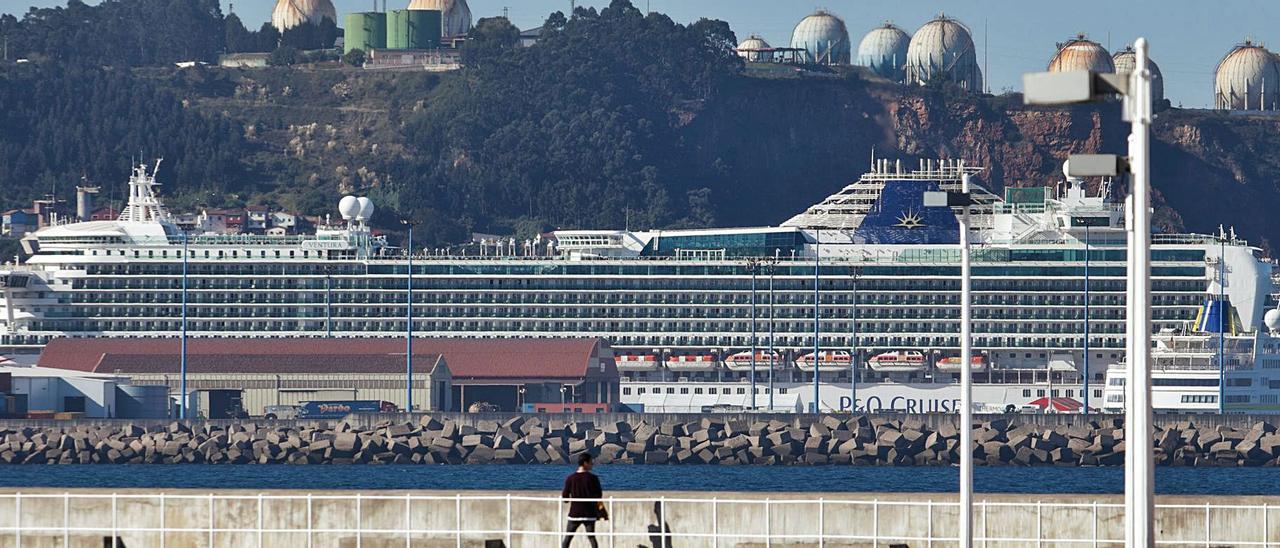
column 408, row 355
column 182, row 369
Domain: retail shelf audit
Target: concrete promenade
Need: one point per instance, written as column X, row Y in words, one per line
column 296, row 519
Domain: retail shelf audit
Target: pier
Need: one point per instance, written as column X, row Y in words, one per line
column 293, row 519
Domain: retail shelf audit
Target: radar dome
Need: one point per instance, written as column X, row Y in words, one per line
column 884, row 51
column 1126, row 59
column 366, row 209
column 1248, row 78
column 943, row 49
column 750, row 48
column 348, row 207
column 1272, row 319
column 1080, row 53
column 454, row 14
column 823, row 37
column 291, row 13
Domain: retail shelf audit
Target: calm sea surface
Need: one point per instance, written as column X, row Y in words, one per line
column 1048, row 480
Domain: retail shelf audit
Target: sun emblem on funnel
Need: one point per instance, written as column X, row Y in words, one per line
column 910, row 219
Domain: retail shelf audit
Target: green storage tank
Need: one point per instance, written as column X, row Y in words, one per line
column 414, row 29
column 365, row 31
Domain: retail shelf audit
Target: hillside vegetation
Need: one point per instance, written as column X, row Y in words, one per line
column 614, row 118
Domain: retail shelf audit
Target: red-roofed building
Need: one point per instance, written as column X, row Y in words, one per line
column 449, row 374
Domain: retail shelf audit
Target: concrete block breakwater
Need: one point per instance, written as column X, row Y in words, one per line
column 856, row 440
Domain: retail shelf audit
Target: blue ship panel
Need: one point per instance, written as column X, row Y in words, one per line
column 900, row 217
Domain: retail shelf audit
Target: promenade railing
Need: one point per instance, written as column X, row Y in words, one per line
column 296, row 520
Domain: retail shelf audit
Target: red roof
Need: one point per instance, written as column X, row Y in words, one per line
column 475, row 359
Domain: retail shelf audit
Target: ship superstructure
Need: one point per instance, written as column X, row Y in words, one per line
column 677, row 305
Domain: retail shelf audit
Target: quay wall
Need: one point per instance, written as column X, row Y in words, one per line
column 1023, row 440
column 650, row 519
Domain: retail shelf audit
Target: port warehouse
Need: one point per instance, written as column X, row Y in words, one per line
column 226, row 375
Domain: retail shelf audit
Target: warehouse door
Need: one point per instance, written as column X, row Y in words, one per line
column 226, row 404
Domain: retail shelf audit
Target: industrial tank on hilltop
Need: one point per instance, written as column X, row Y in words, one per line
column 943, row 49
column 884, row 51
column 291, row 13
column 750, row 48
column 1248, row 78
column 365, row 31
column 1125, row 60
column 456, row 15
column 413, row 29
column 824, row 38
column 1080, row 53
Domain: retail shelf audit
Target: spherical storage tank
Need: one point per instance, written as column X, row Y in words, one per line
column 1248, row 78
column 365, row 31
column 943, row 48
column 1126, row 59
column 291, row 13
column 824, row 38
column 456, row 14
column 750, row 48
column 1080, row 53
column 413, row 29
column 884, row 51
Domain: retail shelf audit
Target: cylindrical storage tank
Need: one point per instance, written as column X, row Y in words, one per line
column 413, row 29
column 884, row 51
column 942, row 49
column 1248, row 78
column 142, row 401
column 1080, row 53
column 365, row 31
column 1126, row 59
column 824, row 38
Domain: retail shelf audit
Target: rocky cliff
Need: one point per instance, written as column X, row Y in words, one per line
column 789, row 143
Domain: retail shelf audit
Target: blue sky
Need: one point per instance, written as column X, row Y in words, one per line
column 1188, row 37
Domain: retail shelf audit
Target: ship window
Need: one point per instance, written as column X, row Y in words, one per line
column 640, row 391
column 1039, row 393
column 1026, row 393
column 1097, row 393
column 626, row 391
column 686, row 390
column 671, row 390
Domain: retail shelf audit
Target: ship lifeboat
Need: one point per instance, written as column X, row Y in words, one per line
column 637, row 362
column 951, row 364
column 829, row 359
column 692, row 362
column 897, row 362
column 742, row 361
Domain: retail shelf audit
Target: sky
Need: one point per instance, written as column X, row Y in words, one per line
column 1187, row 37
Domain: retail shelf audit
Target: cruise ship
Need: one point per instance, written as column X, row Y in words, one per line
column 694, row 316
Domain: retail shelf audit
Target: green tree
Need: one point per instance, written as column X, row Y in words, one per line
column 491, row 38
column 355, row 57
column 283, row 56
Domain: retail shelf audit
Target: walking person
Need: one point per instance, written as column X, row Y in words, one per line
column 580, row 485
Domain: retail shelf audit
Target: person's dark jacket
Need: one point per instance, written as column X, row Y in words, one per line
column 582, row 485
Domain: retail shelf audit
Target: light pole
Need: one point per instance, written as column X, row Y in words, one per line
column 753, row 265
column 1085, row 408
column 853, row 345
column 1135, row 88
column 773, row 267
column 817, row 257
column 328, row 302
column 963, row 199
column 408, row 333
column 1224, row 320
column 182, row 365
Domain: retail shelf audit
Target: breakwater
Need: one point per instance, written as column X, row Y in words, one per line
column 651, row 439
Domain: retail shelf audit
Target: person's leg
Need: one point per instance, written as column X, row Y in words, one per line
column 568, row 533
column 591, row 533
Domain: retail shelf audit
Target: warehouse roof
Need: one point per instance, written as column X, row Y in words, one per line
column 474, row 359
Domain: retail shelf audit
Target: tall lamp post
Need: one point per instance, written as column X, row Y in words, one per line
column 1134, row 88
column 753, row 266
column 773, row 268
column 817, row 330
column 182, row 360
column 408, row 333
column 963, row 200
column 1085, row 408
column 853, row 345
